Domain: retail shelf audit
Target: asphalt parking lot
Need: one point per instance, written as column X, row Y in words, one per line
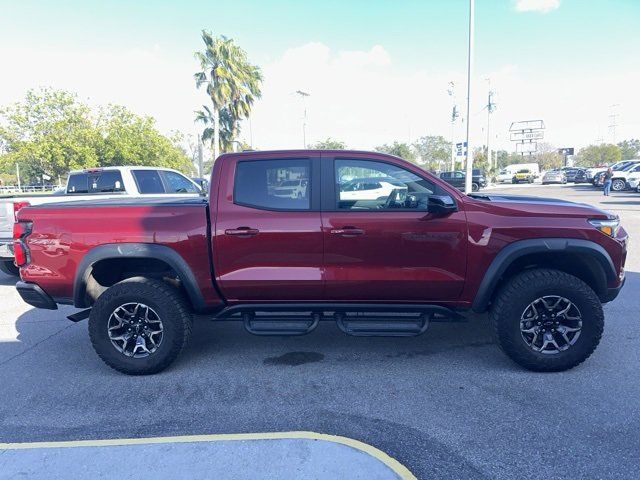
column 447, row 404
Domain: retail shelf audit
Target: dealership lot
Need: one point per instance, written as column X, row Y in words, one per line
column 446, row 404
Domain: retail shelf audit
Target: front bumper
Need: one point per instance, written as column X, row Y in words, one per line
column 35, row 296
column 6, row 249
column 612, row 293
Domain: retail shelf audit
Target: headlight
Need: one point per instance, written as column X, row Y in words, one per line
column 608, row 227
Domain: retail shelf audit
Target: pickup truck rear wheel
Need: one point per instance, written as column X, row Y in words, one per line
column 547, row 320
column 139, row 326
column 9, row 268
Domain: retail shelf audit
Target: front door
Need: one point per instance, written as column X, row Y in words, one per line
column 387, row 247
column 268, row 240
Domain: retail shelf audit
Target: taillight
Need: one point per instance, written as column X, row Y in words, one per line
column 16, row 208
column 20, row 251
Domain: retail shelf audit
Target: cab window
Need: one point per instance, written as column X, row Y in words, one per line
column 372, row 185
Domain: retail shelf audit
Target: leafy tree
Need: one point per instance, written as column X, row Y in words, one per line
column 402, row 150
column 129, row 139
column 232, row 84
column 599, row 154
column 629, row 149
column 329, row 144
column 49, row 133
column 433, row 151
column 548, row 157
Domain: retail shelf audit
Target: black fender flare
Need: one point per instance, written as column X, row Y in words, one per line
column 517, row 249
column 136, row 250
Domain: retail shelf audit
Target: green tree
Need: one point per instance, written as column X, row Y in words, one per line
column 433, row 151
column 329, row 144
column 232, row 84
column 129, row 139
column 548, row 157
column 629, row 149
column 402, row 150
column 599, row 154
column 49, row 133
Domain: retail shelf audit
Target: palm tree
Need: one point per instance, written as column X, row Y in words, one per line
column 232, row 84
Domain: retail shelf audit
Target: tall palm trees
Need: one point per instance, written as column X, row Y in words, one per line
column 232, row 83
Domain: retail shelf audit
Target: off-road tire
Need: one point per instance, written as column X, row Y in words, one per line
column 475, row 187
column 514, row 297
column 9, row 268
column 164, row 299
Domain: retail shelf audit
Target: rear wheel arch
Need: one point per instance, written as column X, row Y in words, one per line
column 106, row 265
column 583, row 259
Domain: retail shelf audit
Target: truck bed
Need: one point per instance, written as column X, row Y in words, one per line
column 67, row 231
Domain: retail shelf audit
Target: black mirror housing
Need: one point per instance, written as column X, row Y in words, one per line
column 441, row 205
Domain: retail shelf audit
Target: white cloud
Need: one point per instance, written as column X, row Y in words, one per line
column 542, row 6
column 359, row 97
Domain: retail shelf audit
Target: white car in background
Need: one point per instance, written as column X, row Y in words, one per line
column 372, row 188
column 504, row 176
column 291, row 189
column 633, row 181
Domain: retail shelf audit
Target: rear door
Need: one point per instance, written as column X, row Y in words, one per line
column 389, row 249
column 268, row 238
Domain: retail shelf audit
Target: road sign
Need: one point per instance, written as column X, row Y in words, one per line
column 527, row 125
column 528, row 147
column 536, row 135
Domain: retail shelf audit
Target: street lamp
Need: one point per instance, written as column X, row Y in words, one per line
column 304, row 96
column 469, row 166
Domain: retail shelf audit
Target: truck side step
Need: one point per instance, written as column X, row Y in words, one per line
column 371, row 325
column 282, row 324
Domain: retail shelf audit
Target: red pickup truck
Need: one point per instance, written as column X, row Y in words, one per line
column 364, row 239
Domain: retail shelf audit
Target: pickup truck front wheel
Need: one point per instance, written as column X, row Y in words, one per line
column 139, row 326
column 547, row 320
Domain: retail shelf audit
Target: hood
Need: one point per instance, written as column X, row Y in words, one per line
column 522, row 205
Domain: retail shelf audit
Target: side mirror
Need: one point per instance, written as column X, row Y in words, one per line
column 441, row 205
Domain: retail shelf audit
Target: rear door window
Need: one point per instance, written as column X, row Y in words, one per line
column 177, row 183
column 269, row 184
column 148, row 181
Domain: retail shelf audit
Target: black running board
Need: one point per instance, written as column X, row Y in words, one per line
column 79, row 316
column 358, row 319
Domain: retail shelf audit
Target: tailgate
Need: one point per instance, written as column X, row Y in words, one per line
column 6, row 218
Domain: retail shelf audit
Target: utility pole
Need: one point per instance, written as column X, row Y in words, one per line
column 490, row 108
column 303, row 96
column 200, row 166
column 469, row 166
column 454, row 115
column 614, row 120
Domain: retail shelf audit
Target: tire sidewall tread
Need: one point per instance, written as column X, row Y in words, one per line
column 520, row 291
column 168, row 303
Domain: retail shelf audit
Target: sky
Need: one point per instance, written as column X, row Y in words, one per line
column 377, row 70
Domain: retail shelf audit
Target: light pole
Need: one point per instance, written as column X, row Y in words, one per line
column 304, row 96
column 454, row 116
column 469, row 166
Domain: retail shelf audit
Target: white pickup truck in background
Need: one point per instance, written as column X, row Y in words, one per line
column 108, row 182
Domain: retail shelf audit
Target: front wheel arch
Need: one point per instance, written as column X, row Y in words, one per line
column 582, row 258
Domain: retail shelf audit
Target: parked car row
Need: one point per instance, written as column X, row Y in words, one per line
column 626, row 176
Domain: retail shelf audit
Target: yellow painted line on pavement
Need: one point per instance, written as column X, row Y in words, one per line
column 398, row 468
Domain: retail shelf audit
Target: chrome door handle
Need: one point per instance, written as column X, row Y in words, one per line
column 242, row 232
column 347, row 231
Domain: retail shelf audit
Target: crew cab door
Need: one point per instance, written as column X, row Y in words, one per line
column 389, row 249
column 267, row 244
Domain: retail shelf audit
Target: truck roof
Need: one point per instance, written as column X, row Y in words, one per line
column 121, row 168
